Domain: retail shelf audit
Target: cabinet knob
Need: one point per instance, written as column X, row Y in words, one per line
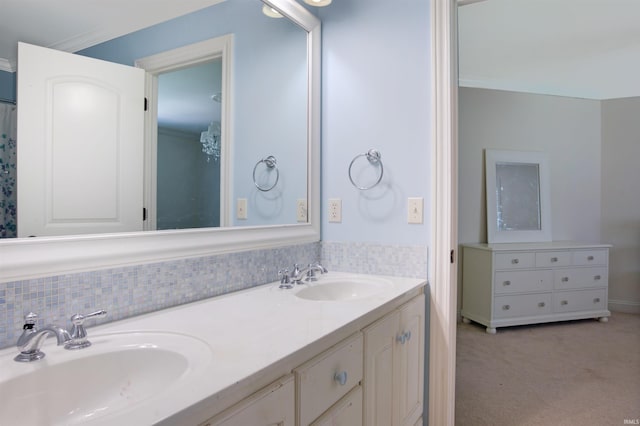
column 507, row 282
column 565, row 279
column 515, row 261
column 541, row 305
column 597, row 277
column 506, row 307
column 596, row 300
column 554, row 259
column 564, row 302
column 404, row 337
column 341, row 378
column 589, row 257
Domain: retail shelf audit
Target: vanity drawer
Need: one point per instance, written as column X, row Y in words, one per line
column 583, row 300
column 522, row 305
column 553, row 258
column 523, row 281
column 515, row 260
column 581, row 278
column 322, row 381
column 590, row 257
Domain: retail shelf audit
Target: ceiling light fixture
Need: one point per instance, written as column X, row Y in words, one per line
column 318, row 3
column 270, row 12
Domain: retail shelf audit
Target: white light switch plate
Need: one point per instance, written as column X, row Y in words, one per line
column 241, row 208
column 301, row 210
column 415, row 207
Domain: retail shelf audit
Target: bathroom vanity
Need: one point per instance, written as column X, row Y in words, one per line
column 527, row 283
column 346, row 349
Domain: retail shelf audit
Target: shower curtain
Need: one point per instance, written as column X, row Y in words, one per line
column 8, row 170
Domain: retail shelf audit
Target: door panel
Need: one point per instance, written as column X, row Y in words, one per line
column 80, row 156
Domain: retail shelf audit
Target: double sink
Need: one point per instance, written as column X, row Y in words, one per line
column 130, row 370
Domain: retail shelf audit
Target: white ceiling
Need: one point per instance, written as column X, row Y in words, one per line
column 72, row 25
column 578, row 48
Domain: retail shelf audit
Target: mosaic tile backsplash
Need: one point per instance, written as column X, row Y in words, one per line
column 134, row 290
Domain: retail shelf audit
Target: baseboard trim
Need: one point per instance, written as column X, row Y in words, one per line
column 625, row 306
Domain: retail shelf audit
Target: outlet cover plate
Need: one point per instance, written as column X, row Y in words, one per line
column 335, row 210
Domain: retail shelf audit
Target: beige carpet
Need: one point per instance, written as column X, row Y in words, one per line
column 570, row 373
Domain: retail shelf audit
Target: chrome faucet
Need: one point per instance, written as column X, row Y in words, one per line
column 309, row 272
column 31, row 340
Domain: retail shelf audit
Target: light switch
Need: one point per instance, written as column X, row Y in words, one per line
column 415, row 208
column 241, row 208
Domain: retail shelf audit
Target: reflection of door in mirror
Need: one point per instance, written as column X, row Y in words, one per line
column 189, row 147
column 517, row 196
column 71, row 108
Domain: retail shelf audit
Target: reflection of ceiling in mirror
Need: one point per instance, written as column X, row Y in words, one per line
column 188, row 97
column 80, row 23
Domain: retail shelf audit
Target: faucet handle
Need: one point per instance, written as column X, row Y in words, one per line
column 30, row 321
column 78, row 333
column 285, row 282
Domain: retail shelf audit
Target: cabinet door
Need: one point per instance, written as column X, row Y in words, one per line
column 271, row 406
column 346, row 412
column 379, row 371
column 410, row 379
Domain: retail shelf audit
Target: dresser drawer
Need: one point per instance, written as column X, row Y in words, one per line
column 582, row 300
column 581, row 278
column 515, row 260
column 590, row 257
column 522, row 281
column 553, row 258
column 322, row 381
column 522, row 305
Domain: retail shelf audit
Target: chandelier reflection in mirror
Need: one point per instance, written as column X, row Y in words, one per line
column 210, row 141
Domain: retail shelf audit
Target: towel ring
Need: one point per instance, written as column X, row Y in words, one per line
column 271, row 163
column 374, row 157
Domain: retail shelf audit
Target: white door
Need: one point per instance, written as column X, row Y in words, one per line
column 81, row 144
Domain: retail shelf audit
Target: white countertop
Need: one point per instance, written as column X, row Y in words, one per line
column 248, row 333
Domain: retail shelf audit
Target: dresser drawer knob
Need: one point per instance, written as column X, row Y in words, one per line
column 590, row 258
column 564, row 302
column 554, row 259
column 565, row 279
column 515, row 261
column 596, row 300
column 541, row 305
column 597, row 277
column 506, row 307
column 507, row 282
column 341, row 378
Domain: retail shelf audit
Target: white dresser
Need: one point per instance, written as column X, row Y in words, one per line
column 528, row 283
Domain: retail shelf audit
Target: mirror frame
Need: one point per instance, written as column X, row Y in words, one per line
column 28, row 258
column 494, row 235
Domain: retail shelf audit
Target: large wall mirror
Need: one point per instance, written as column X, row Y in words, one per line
column 272, row 109
column 518, row 199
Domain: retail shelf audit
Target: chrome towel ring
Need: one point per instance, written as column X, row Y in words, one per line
column 374, row 157
column 271, row 164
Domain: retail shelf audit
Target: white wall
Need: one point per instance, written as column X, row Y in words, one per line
column 621, row 199
column 567, row 129
column 376, row 94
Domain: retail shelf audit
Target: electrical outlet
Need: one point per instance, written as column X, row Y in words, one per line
column 241, row 208
column 301, row 210
column 415, row 210
column 335, row 210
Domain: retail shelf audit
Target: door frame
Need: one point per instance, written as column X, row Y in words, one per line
column 175, row 59
column 444, row 205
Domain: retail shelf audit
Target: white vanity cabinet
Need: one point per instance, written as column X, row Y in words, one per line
column 394, row 366
column 273, row 405
column 515, row 284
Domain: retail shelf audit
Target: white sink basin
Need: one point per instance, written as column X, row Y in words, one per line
column 343, row 289
column 117, row 372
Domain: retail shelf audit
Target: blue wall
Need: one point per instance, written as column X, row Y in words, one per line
column 376, row 94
